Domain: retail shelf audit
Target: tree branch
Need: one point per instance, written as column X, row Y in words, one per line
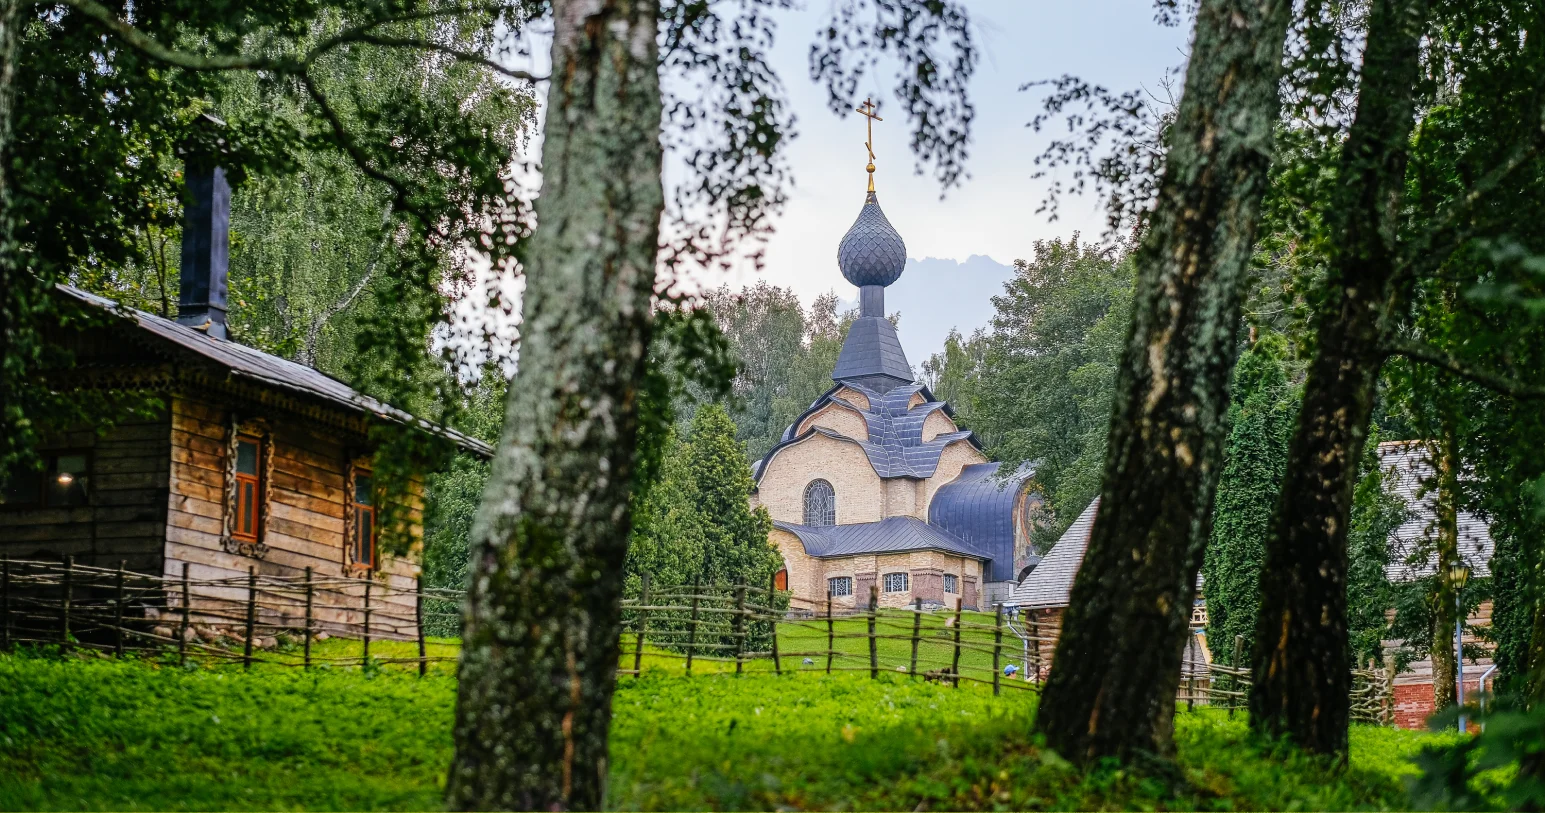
column 1443, row 360
column 461, row 56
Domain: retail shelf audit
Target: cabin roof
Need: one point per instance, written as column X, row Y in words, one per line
column 273, row 371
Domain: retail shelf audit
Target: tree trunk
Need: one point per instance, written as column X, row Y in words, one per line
column 543, row 617
column 1301, row 664
column 1112, row 687
column 18, row 290
column 1444, row 612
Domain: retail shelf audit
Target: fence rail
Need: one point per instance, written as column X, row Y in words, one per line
column 277, row 620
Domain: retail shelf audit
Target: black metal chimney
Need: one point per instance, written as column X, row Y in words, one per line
column 206, row 241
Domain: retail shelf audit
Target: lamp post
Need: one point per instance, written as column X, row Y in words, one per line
column 1458, row 574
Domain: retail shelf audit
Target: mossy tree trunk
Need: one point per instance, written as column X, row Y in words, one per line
column 1301, row 677
column 1445, row 612
column 539, row 656
column 19, row 291
column 1112, row 687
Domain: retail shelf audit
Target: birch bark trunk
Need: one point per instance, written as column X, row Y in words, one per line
column 1444, row 613
column 539, row 657
column 1112, row 686
column 1301, row 666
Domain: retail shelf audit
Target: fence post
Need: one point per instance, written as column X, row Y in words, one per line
column 997, row 651
column 831, row 637
column 917, row 628
column 1389, row 688
column 1233, row 680
column 182, row 637
column 246, row 659
column 643, row 628
column 118, row 613
column 697, row 587
column 418, row 621
column 955, row 663
column 772, row 621
column 1191, row 693
column 874, row 653
column 310, row 621
column 740, row 627
column 364, row 658
column 5, row 599
column 1035, row 641
column 64, row 607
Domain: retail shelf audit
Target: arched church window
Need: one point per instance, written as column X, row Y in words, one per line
column 820, row 504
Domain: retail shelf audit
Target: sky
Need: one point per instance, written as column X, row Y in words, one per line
column 963, row 241
column 1114, row 43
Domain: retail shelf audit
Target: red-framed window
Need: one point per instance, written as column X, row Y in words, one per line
column 249, row 488
column 363, row 545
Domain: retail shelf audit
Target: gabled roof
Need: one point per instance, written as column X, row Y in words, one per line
column 895, row 446
column 1051, row 583
column 978, row 506
column 249, row 363
column 889, row 535
column 1409, row 463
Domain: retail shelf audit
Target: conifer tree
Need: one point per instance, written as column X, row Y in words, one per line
column 1261, row 421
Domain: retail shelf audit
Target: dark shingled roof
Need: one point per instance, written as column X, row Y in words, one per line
column 872, row 356
column 889, row 535
column 978, row 506
column 895, row 444
column 872, row 253
column 253, row 364
column 1051, row 583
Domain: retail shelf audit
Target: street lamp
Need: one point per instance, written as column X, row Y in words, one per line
column 1458, row 574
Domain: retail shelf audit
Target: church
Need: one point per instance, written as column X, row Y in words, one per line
column 874, row 486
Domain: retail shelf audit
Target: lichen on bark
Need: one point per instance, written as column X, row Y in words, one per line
column 543, row 612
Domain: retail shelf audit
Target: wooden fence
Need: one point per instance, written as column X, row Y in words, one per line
column 274, row 619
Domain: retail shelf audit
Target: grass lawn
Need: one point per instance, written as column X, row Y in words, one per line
column 92, row 734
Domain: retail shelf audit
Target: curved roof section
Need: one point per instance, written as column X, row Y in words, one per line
column 889, row 535
column 872, row 355
column 895, row 446
column 1051, row 583
column 872, row 252
column 978, row 506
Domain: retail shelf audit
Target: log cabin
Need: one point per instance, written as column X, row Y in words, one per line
column 223, row 459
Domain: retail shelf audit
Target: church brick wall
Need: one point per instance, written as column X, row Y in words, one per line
column 901, row 498
column 853, row 396
column 838, row 418
column 937, row 423
column 925, row 571
column 860, row 497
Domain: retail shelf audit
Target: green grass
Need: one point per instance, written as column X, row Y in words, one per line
column 92, row 734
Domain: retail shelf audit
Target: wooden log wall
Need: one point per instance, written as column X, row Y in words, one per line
column 304, row 522
column 125, row 515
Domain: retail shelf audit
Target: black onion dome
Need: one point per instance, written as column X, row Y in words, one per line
column 872, row 253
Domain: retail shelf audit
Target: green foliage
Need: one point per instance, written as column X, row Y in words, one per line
column 124, row 736
column 695, row 521
column 1377, row 510
column 1261, row 420
column 1044, row 389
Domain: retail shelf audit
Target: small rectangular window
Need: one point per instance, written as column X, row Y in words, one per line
column 841, row 585
column 249, row 489
column 895, row 582
column 951, row 585
column 66, row 481
column 364, row 541
column 62, row 482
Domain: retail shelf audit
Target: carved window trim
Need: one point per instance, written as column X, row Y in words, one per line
column 351, row 564
column 258, row 429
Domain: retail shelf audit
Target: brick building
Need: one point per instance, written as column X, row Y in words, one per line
column 876, row 486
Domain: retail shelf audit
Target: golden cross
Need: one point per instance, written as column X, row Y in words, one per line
column 870, row 112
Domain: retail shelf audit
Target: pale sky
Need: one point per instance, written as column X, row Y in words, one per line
column 1114, row 43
